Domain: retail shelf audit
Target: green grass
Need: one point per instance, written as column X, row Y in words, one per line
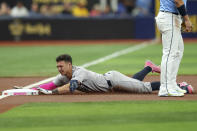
column 113, row 116
column 40, row 60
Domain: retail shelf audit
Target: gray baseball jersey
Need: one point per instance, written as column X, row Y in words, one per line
column 94, row 82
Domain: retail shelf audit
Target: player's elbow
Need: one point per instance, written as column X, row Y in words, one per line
column 178, row 3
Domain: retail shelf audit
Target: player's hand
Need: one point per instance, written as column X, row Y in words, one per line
column 46, row 92
column 187, row 26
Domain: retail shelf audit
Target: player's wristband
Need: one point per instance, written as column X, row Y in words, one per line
column 73, row 85
column 182, row 10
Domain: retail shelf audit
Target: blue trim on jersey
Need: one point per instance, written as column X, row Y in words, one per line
column 169, row 6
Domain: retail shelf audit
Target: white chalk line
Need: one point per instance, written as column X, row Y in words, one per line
column 3, row 96
column 115, row 54
column 97, row 61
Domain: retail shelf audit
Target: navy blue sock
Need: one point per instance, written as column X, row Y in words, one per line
column 141, row 75
column 155, row 85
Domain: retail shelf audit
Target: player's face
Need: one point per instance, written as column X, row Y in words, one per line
column 64, row 68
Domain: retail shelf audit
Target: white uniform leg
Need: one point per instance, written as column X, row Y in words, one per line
column 181, row 48
column 179, row 53
column 170, row 27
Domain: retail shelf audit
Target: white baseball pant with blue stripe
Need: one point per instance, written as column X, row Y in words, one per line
column 170, row 27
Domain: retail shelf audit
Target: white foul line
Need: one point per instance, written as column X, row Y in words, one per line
column 115, row 54
column 97, row 61
column 3, row 96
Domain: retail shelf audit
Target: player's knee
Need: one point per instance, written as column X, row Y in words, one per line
column 176, row 54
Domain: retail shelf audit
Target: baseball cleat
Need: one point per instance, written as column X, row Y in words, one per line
column 154, row 67
column 188, row 88
column 171, row 94
column 181, row 90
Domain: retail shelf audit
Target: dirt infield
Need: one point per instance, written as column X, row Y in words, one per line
column 11, row 102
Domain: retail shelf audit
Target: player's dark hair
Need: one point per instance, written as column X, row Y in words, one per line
column 64, row 57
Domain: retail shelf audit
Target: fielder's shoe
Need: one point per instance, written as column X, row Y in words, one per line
column 188, row 88
column 173, row 93
column 180, row 90
column 154, row 67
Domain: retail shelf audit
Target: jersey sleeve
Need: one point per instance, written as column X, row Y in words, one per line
column 60, row 80
column 79, row 75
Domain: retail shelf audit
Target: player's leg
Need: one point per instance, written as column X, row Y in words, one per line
column 126, row 83
column 155, row 85
column 179, row 51
column 148, row 67
column 181, row 48
column 166, row 42
column 169, row 65
column 179, row 57
column 170, row 48
column 167, row 24
column 142, row 74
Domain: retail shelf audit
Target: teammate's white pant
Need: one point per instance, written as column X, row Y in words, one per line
column 173, row 47
column 118, row 80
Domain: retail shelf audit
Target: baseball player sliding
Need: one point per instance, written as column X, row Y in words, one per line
column 74, row 78
column 172, row 14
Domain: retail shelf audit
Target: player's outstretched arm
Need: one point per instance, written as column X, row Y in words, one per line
column 60, row 90
column 68, row 88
